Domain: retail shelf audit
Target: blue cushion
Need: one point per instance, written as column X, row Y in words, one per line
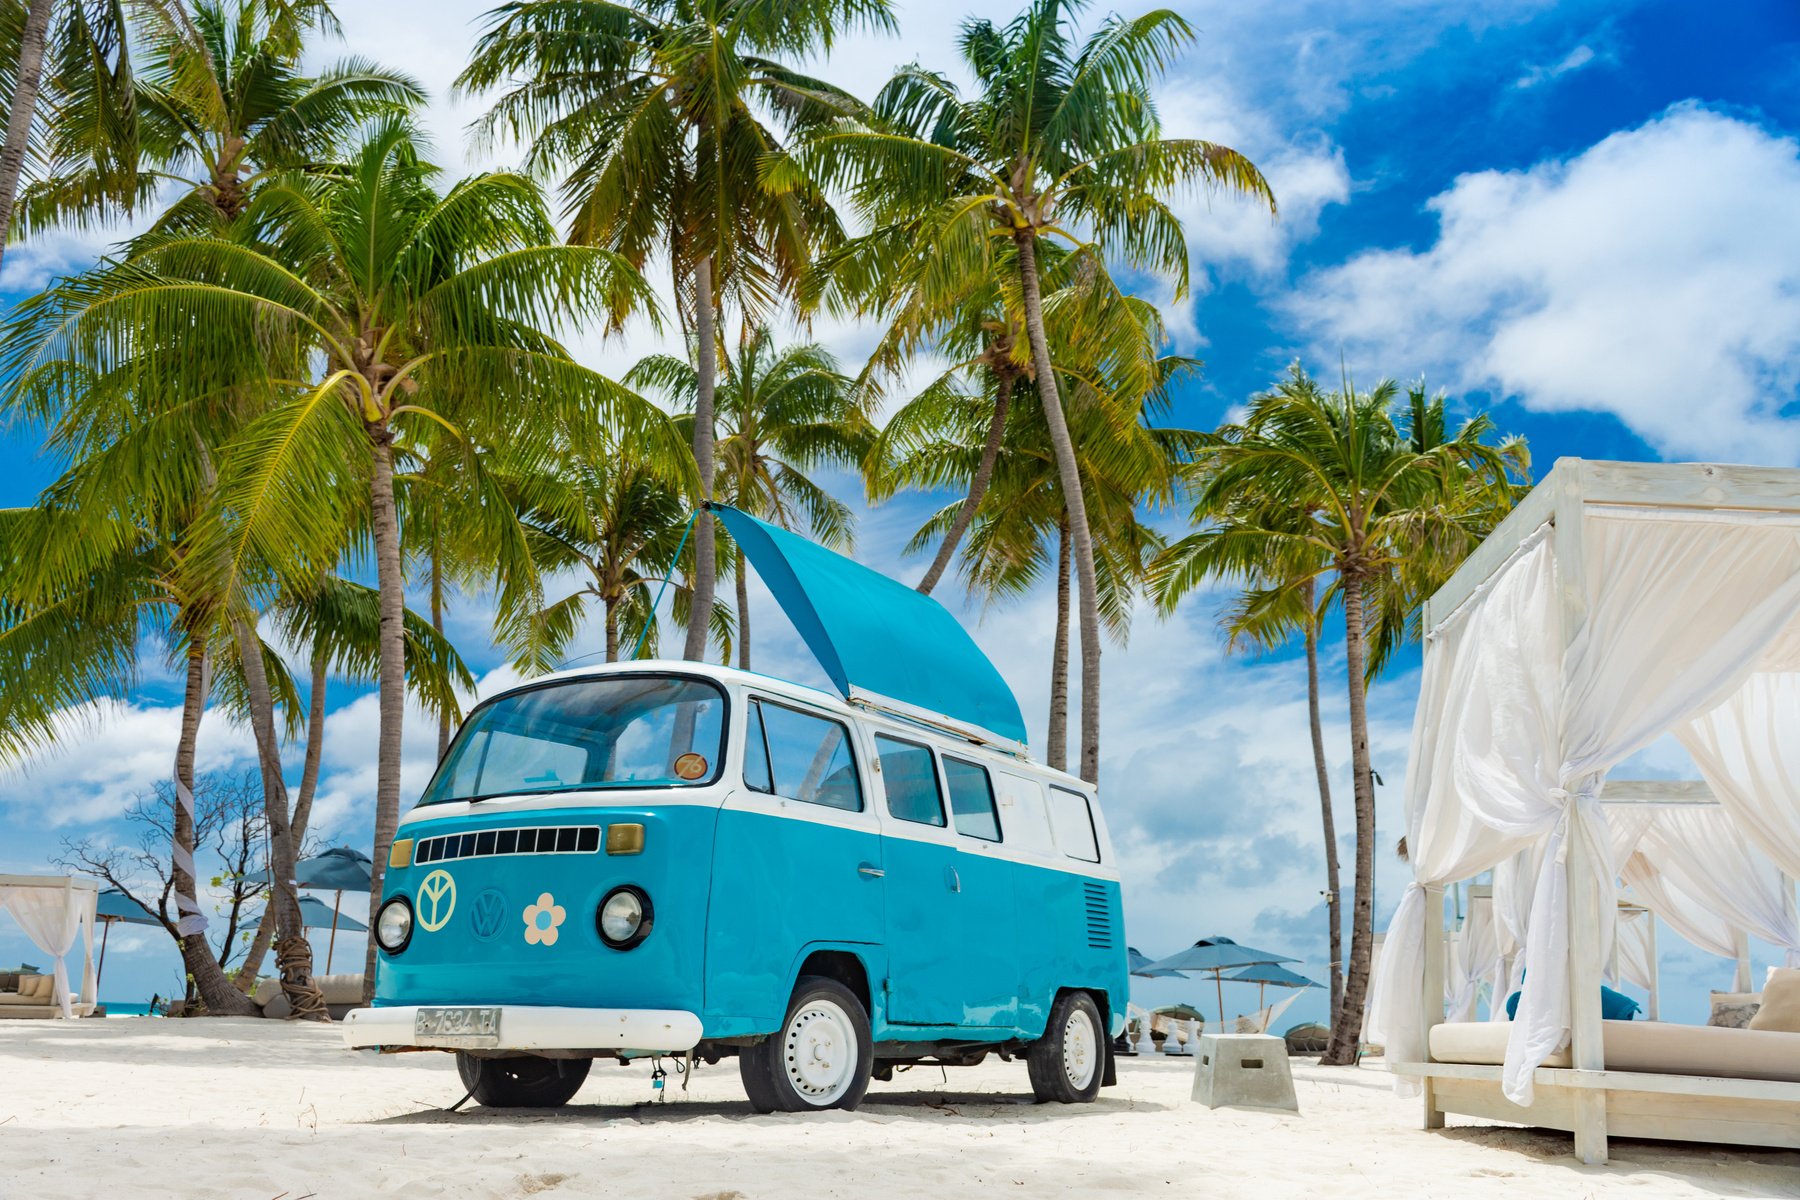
column 1614, row 1006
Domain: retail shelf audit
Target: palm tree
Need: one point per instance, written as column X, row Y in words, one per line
column 90, row 80
column 1317, row 487
column 1059, row 137
column 655, row 111
column 428, row 310
column 782, row 412
column 218, row 103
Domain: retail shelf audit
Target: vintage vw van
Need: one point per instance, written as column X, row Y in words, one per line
column 684, row 859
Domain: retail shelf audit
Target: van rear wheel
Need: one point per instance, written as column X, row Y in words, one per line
column 1068, row 1062
column 821, row 1058
column 523, row 1082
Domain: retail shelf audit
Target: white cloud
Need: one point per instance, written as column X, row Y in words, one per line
column 1654, row 276
column 1581, row 56
column 110, row 752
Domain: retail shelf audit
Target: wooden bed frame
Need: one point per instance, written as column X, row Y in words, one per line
column 1585, row 1098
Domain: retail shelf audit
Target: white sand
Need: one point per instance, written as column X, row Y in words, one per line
column 244, row 1108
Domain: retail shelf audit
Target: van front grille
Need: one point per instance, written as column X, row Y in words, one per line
column 1099, row 917
column 484, row 843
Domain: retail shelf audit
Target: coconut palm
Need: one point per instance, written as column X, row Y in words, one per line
column 781, row 412
column 214, row 101
column 429, row 311
column 661, row 115
column 1060, row 137
column 1316, row 487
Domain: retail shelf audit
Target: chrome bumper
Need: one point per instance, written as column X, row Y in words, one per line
column 529, row 1027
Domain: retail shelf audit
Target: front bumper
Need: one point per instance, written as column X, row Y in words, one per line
column 531, row 1027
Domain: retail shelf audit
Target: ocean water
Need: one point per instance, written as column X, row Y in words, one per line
column 116, row 1009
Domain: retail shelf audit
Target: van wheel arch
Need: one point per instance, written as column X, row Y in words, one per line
column 846, row 967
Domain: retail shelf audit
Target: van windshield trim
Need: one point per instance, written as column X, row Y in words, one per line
column 718, row 767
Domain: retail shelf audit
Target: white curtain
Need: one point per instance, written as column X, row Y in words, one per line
column 1685, row 915
column 1517, row 734
column 1748, row 754
column 1701, row 853
column 1632, row 937
column 52, row 917
column 1478, row 961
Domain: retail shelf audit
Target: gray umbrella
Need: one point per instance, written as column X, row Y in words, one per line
column 338, row 870
column 1268, row 975
column 1216, row 955
column 1140, row 965
column 112, row 906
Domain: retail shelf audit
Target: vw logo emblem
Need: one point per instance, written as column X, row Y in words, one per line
column 488, row 914
column 437, row 900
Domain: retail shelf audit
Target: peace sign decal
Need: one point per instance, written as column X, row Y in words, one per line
column 437, row 900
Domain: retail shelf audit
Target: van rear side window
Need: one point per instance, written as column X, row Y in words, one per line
column 972, row 799
column 800, row 756
column 910, row 779
column 1073, row 824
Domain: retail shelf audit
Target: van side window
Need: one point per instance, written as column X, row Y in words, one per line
column 1073, row 824
column 757, row 776
column 911, row 781
column 805, row 758
column 972, row 799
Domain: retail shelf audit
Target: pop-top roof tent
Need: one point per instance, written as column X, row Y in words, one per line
column 1617, row 603
column 883, row 644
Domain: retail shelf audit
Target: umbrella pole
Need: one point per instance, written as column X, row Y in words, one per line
column 1260, row 989
column 331, row 945
column 1218, row 977
column 105, row 929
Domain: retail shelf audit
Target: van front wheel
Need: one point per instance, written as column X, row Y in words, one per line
column 1067, row 1063
column 821, row 1057
column 523, row 1082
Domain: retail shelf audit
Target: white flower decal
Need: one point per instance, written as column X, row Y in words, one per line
column 542, row 920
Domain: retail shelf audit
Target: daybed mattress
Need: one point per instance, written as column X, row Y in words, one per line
column 1655, row 1047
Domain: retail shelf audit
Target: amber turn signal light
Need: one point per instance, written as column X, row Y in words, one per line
column 625, row 839
column 400, row 853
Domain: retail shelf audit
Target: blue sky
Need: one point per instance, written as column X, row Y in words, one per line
column 1579, row 216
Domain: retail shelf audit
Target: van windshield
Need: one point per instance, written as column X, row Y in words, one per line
column 625, row 731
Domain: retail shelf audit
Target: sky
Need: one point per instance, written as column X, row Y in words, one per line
column 1578, row 216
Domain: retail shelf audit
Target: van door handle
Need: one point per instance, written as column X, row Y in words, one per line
column 952, row 880
column 870, row 871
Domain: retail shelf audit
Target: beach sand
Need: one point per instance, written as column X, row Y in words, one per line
column 260, row 1109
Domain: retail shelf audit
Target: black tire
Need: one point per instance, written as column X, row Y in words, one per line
column 1067, row 1064
column 796, row 1069
column 524, row 1082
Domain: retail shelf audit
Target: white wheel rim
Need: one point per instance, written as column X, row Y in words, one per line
column 1080, row 1050
column 819, row 1051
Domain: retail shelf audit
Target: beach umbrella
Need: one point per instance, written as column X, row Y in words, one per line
column 315, row 914
column 1268, row 975
column 111, row 907
column 1216, row 955
column 1140, row 965
column 338, row 870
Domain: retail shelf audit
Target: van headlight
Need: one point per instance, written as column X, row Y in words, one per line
column 394, row 924
column 624, row 917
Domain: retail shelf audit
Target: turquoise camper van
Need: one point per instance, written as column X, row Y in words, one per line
column 674, row 858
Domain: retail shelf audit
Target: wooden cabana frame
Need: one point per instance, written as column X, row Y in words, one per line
column 1585, row 1098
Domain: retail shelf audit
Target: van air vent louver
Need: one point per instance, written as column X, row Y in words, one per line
column 551, row 839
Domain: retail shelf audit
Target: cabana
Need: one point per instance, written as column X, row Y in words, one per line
column 1617, row 603
column 54, row 910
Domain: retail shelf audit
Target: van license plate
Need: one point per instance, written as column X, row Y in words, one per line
column 459, row 1027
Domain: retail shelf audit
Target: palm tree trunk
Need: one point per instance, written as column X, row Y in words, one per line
column 1333, row 895
column 293, row 954
column 303, row 802
column 28, row 77
column 743, row 612
column 1069, row 473
column 612, row 630
column 984, row 472
column 392, row 676
column 1346, row 1034
column 209, row 979
column 705, row 560
column 1057, row 752
column 437, row 623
